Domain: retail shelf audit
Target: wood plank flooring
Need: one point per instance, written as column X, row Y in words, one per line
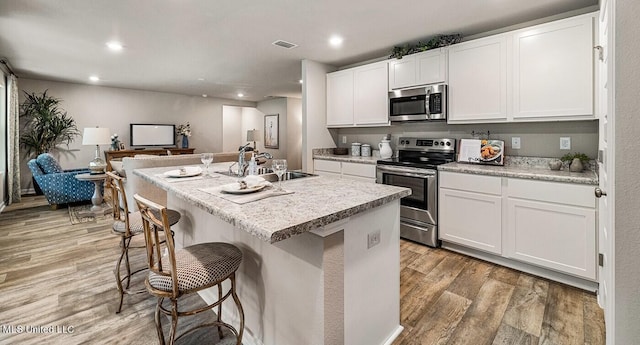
column 53, row 273
column 449, row 298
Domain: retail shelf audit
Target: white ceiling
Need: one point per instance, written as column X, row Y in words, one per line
column 170, row 44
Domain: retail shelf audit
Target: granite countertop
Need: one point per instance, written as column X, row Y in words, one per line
column 526, row 168
column 317, row 201
column 327, row 154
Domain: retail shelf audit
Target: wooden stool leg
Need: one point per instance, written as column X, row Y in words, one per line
column 158, row 321
column 174, row 321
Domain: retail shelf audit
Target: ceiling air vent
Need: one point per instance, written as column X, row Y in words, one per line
column 284, row 44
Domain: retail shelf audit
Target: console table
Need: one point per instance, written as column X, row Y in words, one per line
column 109, row 155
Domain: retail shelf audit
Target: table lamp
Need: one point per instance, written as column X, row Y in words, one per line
column 252, row 135
column 96, row 136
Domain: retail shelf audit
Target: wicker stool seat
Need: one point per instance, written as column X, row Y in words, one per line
column 127, row 224
column 135, row 222
column 188, row 270
column 200, row 266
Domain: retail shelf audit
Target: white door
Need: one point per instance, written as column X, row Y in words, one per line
column 370, row 95
column 606, row 163
column 340, row 98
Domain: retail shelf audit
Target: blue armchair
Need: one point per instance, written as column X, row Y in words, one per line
column 59, row 186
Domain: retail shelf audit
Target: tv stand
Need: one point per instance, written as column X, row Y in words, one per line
column 109, row 155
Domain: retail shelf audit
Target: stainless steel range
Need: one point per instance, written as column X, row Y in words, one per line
column 415, row 167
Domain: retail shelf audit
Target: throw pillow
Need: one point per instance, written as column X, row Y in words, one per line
column 48, row 164
column 117, row 167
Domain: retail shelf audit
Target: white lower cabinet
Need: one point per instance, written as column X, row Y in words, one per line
column 545, row 227
column 470, row 209
column 348, row 170
column 546, row 224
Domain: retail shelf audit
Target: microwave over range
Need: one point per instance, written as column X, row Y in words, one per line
column 428, row 102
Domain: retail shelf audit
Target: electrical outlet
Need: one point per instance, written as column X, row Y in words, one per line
column 515, row 143
column 344, row 139
column 373, row 239
column 565, row 143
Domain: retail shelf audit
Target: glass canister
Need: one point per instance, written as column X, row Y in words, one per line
column 365, row 151
column 355, row 149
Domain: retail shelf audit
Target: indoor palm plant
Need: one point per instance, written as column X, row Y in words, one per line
column 45, row 124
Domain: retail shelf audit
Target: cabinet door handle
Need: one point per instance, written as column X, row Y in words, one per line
column 599, row 192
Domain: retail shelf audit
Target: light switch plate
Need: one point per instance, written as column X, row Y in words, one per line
column 515, row 143
column 344, row 139
column 565, row 143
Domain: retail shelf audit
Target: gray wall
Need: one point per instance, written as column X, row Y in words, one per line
column 116, row 108
column 627, row 185
column 538, row 139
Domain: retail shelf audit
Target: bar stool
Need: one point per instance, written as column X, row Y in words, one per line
column 185, row 271
column 127, row 225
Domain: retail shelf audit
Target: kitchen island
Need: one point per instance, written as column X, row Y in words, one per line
column 310, row 273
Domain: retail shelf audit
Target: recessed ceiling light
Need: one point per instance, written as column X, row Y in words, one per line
column 205, row 95
column 114, row 46
column 300, row 81
column 336, row 41
column 240, row 94
column 200, row 79
column 94, row 78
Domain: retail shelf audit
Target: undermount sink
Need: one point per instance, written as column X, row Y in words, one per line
column 289, row 175
column 270, row 176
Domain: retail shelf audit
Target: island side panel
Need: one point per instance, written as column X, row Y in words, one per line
column 281, row 285
column 372, row 276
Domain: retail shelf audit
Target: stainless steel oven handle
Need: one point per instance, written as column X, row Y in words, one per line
column 404, row 172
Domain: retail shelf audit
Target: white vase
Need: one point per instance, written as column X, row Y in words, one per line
column 576, row 165
column 385, row 149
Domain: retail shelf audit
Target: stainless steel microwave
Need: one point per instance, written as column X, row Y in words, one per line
column 418, row 104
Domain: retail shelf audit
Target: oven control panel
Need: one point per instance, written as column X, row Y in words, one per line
column 427, row 144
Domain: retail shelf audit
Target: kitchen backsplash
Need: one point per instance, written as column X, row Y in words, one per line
column 538, row 139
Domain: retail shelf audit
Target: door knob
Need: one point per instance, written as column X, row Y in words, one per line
column 599, row 192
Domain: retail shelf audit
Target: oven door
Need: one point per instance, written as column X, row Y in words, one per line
column 421, row 206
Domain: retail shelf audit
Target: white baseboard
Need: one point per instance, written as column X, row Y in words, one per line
column 394, row 335
column 2, row 206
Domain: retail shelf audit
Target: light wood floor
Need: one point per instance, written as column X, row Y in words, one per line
column 53, row 273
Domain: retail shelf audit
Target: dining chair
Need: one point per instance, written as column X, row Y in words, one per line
column 186, row 271
column 127, row 224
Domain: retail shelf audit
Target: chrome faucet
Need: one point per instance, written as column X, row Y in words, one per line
column 242, row 164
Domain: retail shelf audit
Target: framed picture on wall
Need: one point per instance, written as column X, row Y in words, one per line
column 122, row 146
column 271, row 131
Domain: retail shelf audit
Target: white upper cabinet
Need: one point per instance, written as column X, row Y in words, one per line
column 428, row 67
column 553, row 70
column 478, row 80
column 358, row 96
column 540, row 73
column 340, row 98
column 371, row 100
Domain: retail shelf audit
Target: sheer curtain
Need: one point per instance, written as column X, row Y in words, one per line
column 13, row 145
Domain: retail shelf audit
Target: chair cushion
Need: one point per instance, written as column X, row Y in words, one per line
column 135, row 222
column 48, row 164
column 200, row 266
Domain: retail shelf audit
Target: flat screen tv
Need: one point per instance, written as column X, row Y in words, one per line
column 152, row 135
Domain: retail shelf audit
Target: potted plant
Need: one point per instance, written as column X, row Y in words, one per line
column 45, row 125
column 577, row 161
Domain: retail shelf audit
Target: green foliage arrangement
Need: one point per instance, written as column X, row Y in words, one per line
column 570, row 156
column 435, row 42
column 45, row 125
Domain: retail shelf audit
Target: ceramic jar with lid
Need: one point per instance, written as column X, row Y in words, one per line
column 365, row 150
column 355, row 149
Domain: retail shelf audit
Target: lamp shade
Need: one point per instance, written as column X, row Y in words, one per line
column 252, row 135
column 96, row 136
